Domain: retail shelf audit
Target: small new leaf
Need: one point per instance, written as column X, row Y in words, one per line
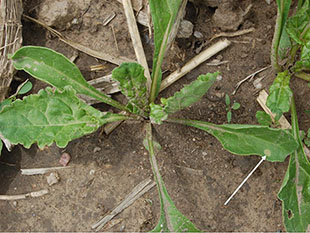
column 275, row 144
column 280, row 94
column 235, row 106
column 25, row 88
column 227, row 100
column 157, row 114
column 51, row 116
column 190, row 93
column 132, row 83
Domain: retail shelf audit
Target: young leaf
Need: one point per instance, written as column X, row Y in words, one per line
column 295, row 189
column 297, row 23
column 263, row 118
column 164, row 14
column 189, row 94
column 171, row 219
column 235, row 106
column 304, row 62
column 25, row 88
column 51, row 116
column 276, row 144
column 229, row 114
column 157, row 114
column 133, row 85
column 1, row 146
column 227, row 100
column 280, row 94
column 58, row 71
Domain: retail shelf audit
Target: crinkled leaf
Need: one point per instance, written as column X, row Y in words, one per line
column 51, row 116
column 189, row 94
column 276, row 144
column 284, row 45
column 295, row 189
column 132, row 83
column 164, row 13
column 263, row 118
column 157, row 114
column 280, row 94
column 297, row 23
column 304, row 62
column 171, row 219
column 25, row 88
column 56, row 70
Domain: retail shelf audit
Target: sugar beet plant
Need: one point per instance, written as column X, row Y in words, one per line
column 291, row 58
column 58, row 115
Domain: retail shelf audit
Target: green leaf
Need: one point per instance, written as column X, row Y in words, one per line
column 58, row 71
column 1, row 146
column 51, row 116
column 235, row 106
column 25, row 88
column 295, row 189
column 276, row 144
column 263, row 118
column 227, row 100
column 229, row 115
column 284, row 45
column 280, row 94
column 171, row 219
column 157, row 115
column 297, row 23
column 164, row 13
column 5, row 103
column 304, row 62
column 132, row 83
column 189, row 94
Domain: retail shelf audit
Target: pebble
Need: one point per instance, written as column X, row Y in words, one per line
column 97, row 149
column 52, row 178
column 64, row 159
column 198, row 35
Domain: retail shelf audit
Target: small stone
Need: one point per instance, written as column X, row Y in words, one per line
column 185, row 29
column 219, row 94
column 97, row 149
column 219, row 77
column 52, row 178
column 14, row 203
column 204, row 153
column 64, row 159
column 198, row 35
column 92, row 172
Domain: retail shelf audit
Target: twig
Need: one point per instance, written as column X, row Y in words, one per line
column 136, row 40
column 232, row 34
column 249, row 77
column 107, row 20
column 115, row 40
column 39, row 171
column 262, row 99
column 23, row 196
column 216, row 63
column 193, row 63
column 82, row 48
column 137, row 192
column 246, row 178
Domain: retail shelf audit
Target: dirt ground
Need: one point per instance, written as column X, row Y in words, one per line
column 198, row 173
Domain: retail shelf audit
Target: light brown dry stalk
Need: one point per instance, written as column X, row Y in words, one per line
column 10, row 40
column 232, row 34
column 100, row 55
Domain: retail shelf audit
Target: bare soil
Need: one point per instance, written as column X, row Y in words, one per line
column 198, row 173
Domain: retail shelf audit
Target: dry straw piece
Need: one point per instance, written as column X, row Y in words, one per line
column 10, row 40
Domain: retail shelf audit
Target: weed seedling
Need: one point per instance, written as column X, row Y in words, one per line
column 229, row 107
